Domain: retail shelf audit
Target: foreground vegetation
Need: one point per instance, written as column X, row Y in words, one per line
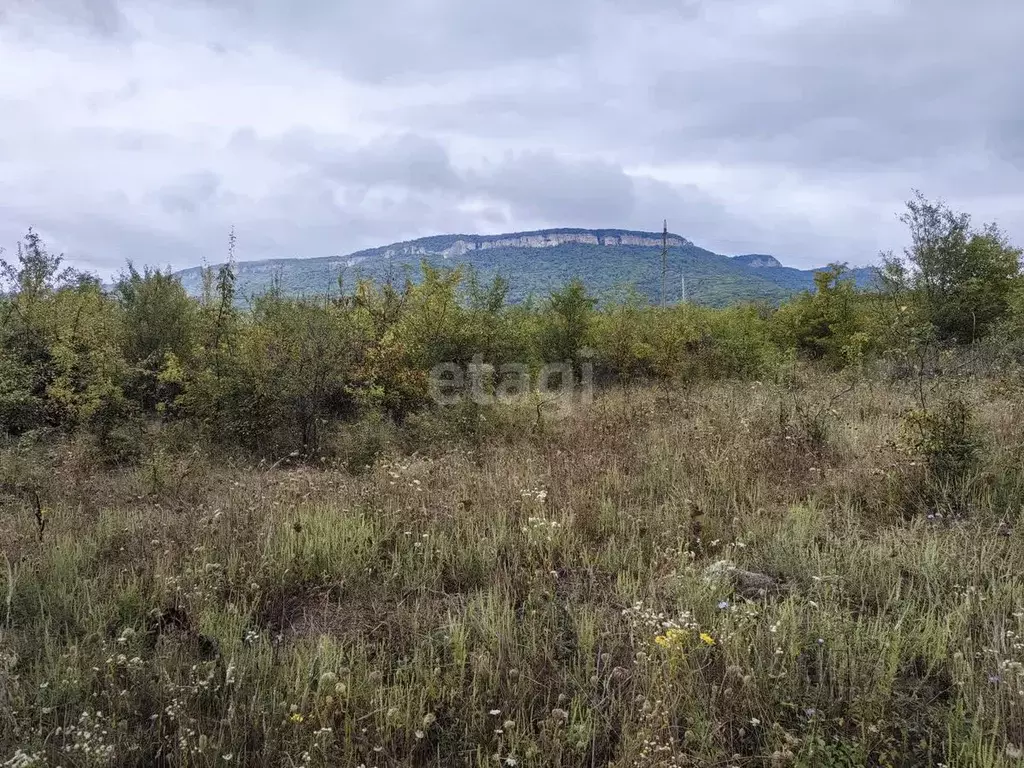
column 780, row 537
column 538, row 600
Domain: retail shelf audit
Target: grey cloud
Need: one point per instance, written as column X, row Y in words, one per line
column 313, row 214
column 586, row 117
column 865, row 88
column 103, row 244
column 539, row 185
column 862, row 89
column 189, row 194
column 103, row 18
column 100, row 100
column 788, row 126
column 416, row 39
column 408, row 160
column 404, row 159
column 1005, row 138
column 402, row 38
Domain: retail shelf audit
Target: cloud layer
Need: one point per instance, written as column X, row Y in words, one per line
column 145, row 130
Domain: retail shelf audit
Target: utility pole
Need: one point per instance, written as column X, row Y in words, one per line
column 664, row 260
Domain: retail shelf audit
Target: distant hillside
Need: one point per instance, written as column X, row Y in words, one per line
column 535, row 263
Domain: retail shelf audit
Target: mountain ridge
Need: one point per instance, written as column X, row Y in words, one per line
column 607, row 259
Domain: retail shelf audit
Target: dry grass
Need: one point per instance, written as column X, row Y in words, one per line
column 501, row 605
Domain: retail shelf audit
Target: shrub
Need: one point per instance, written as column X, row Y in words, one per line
column 945, row 437
column 828, row 325
column 945, row 442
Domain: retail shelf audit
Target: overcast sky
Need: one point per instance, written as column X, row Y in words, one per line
column 145, row 129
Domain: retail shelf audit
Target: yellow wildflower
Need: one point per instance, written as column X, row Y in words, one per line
column 296, row 717
column 672, row 638
column 707, row 639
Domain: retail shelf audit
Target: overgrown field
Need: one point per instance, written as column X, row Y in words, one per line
column 539, row 593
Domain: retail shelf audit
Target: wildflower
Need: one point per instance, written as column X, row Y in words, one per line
column 328, row 679
column 295, row 717
column 755, row 722
column 494, row 712
column 671, row 637
column 723, row 605
column 126, row 635
column 419, row 734
column 706, row 638
column 24, row 759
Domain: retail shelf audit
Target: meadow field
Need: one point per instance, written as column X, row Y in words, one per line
column 816, row 570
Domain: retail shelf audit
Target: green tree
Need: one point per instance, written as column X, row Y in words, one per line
column 829, row 324
column 491, row 327
column 958, row 280
column 567, row 324
column 158, row 333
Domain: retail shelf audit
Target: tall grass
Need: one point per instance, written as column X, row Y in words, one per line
column 535, row 597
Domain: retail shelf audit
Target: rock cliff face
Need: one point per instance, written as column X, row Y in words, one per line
column 461, row 245
column 757, row 260
column 760, row 263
